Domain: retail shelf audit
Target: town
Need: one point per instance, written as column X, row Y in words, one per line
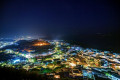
column 59, row 59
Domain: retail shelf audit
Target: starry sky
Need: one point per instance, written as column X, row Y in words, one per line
column 58, row 18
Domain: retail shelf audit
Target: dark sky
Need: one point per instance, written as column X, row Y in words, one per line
column 59, row 17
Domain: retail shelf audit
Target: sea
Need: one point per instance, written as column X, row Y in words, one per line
column 101, row 42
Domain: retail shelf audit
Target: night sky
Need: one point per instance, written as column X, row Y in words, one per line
column 94, row 23
column 58, row 18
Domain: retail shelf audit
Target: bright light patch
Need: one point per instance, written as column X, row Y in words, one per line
column 17, row 60
column 72, row 64
column 28, row 56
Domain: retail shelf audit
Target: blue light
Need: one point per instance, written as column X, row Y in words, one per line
column 65, row 59
column 17, row 60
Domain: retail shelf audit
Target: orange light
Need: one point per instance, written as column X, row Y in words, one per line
column 56, row 76
column 41, row 44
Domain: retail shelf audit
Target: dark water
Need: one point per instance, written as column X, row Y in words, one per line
column 102, row 42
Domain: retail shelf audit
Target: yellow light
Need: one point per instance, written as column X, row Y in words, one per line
column 72, row 64
column 56, row 76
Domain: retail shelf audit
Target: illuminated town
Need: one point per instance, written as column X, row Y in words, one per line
column 58, row 59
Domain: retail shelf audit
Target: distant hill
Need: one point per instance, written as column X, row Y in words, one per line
column 27, row 45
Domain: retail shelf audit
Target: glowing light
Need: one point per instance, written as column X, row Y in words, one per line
column 28, row 56
column 31, row 60
column 56, row 76
column 17, row 60
column 41, row 43
column 72, row 64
